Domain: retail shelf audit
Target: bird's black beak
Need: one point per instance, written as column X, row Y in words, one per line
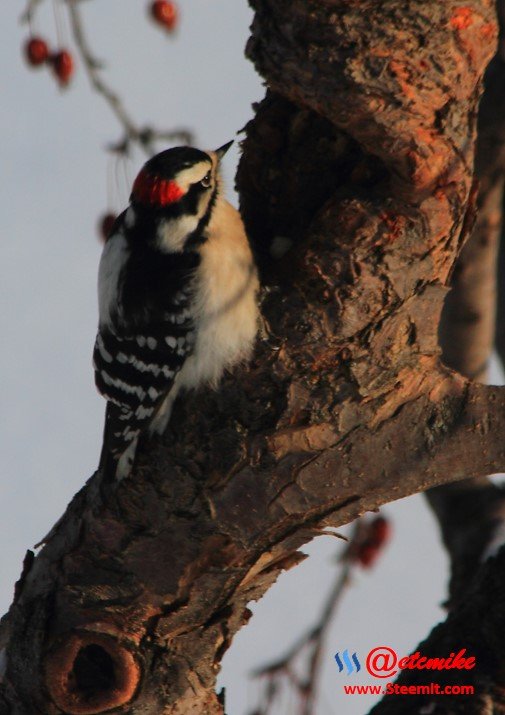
column 223, row 149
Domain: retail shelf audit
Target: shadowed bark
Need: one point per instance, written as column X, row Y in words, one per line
column 494, row 140
column 361, row 155
column 471, row 512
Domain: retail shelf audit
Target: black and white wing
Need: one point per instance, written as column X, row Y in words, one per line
column 136, row 374
column 137, row 357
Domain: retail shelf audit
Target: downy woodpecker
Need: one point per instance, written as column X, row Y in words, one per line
column 177, row 290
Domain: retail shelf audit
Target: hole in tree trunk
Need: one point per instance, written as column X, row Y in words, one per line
column 93, row 672
column 90, row 673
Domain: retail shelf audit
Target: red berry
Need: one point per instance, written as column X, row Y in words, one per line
column 367, row 555
column 63, row 66
column 106, row 224
column 370, row 542
column 165, row 13
column 380, row 531
column 36, row 51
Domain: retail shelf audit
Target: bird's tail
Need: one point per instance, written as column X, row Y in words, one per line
column 107, row 464
column 118, row 453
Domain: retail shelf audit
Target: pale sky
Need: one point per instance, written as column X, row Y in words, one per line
column 54, row 188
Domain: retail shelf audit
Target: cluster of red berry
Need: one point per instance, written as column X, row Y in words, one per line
column 37, row 53
column 61, row 62
column 375, row 538
column 164, row 12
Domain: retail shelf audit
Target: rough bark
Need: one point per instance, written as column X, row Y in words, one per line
column 471, row 513
column 467, row 333
column 494, row 142
column 362, row 156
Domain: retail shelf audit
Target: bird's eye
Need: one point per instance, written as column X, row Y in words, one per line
column 205, row 182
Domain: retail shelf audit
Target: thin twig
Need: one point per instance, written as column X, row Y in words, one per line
column 144, row 136
column 319, row 636
column 368, row 538
column 314, row 640
column 29, row 12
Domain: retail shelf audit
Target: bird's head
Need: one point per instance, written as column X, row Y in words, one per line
column 177, row 190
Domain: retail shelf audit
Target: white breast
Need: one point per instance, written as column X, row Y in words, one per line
column 225, row 306
column 172, row 234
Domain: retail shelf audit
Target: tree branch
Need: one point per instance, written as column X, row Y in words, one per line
column 471, row 513
column 368, row 539
column 467, row 511
column 146, row 581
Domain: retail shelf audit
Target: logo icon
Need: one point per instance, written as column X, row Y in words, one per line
column 381, row 662
column 351, row 663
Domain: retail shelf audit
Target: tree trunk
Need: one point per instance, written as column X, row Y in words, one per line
column 361, row 159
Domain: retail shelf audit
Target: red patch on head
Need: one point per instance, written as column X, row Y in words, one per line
column 152, row 190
